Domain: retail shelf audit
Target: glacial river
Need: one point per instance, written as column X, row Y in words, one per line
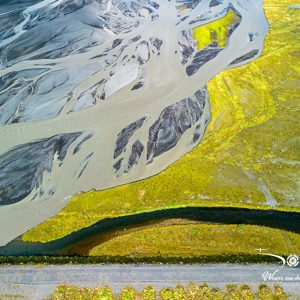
column 95, row 94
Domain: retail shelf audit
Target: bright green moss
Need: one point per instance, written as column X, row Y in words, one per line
column 216, row 31
column 149, row 293
column 128, row 294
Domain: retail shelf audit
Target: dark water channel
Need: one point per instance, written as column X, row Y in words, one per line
column 80, row 242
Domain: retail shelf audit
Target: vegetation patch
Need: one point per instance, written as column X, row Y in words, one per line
column 72, row 292
column 199, row 239
column 159, row 259
column 190, row 292
column 216, row 32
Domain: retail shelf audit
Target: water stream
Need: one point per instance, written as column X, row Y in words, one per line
column 80, row 242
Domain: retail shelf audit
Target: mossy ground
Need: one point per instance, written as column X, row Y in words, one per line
column 198, row 239
column 216, row 31
column 248, row 158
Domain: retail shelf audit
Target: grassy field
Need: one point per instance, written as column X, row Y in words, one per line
column 198, row 239
column 190, row 292
column 248, row 158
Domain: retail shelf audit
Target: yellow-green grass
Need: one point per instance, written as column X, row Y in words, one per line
column 216, row 31
column 195, row 239
column 250, row 151
column 189, row 292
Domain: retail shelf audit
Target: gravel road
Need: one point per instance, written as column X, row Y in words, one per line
column 36, row 282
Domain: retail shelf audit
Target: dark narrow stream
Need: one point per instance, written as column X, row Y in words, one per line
column 80, row 242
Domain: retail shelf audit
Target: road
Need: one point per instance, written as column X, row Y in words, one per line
column 36, row 282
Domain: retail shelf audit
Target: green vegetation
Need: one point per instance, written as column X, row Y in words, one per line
column 191, row 292
column 256, row 118
column 248, row 158
column 198, row 240
column 247, row 293
column 71, row 292
column 172, row 293
column 216, row 31
column 128, row 294
column 195, row 259
column 149, row 293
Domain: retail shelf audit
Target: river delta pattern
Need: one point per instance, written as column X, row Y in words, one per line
column 96, row 94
